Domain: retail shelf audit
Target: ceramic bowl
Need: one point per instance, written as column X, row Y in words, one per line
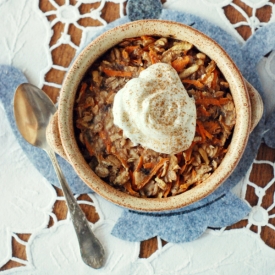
column 247, row 102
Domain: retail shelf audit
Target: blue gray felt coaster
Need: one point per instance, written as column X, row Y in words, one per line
column 140, row 9
column 181, row 226
column 219, row 209
column 269, row 135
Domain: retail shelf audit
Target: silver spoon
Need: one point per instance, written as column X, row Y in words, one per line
column 33, row 110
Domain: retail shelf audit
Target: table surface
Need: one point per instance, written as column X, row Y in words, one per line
column 63, row 56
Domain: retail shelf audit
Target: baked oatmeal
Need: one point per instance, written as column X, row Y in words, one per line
column 126, row 164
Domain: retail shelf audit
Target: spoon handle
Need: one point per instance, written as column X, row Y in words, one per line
column 91, row 249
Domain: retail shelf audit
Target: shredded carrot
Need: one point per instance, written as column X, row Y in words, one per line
column 202, row 111
column 159, row 173
column 214, row 81
column 82, row 91
column 103, row 134
column 180, row 63
column 206, row 101
column 183, row 188
column 128, row 187
column 108, row 144
column 182, row 169
column 188, row 159
column 222, row 151
column 188, row 152
column 224, row 100
column 146, row 37
column 152, row 173
column 139, row 165
column 111, row 72
column 130, row 49
column 148, row 165
column 186, row 164
column 202, row 131
column 153, row 56
column 83, row 87
column 167, row 190
column 122, row 160
column 89, row 147
column 203, row 80
column 196, row 83
column 212, row 126
column 193, row 173
column 147, row 41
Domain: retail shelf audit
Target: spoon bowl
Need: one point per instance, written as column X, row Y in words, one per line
column 33, row 110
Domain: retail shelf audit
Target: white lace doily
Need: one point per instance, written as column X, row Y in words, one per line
column 26, row 199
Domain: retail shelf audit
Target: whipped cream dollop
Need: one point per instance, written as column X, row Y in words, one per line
column 154, row 110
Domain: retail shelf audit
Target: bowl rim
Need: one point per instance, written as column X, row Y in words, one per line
column 162, row 28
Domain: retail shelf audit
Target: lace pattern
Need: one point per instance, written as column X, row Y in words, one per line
column 29, row 219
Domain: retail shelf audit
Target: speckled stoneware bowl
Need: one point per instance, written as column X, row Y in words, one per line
column 248, row 105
